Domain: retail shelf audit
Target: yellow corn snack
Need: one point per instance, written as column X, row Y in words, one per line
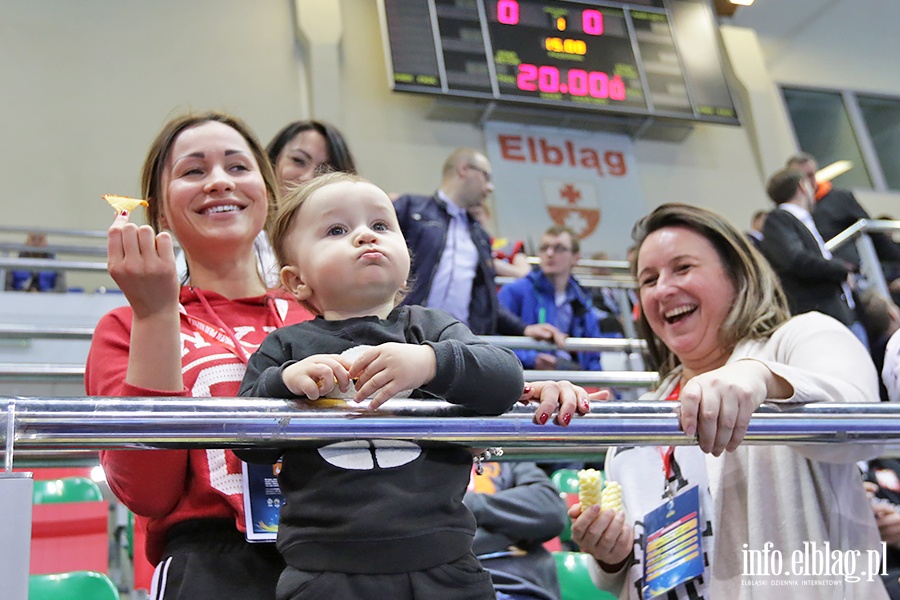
column 589, row 487
column 611, row 497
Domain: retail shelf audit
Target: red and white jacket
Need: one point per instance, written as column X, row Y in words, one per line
column 165, row 487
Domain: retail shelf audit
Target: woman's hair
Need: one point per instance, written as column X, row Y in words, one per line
column 160, row 149
column 339, row 156
column 760, row 305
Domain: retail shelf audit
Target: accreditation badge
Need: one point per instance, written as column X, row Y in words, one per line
column 262, row 501
column 673, row 553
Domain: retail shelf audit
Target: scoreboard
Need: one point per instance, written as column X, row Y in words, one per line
column 658, row 58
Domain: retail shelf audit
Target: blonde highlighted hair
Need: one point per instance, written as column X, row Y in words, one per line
column 759, row 306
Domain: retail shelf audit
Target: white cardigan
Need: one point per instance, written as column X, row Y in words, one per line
column 785, row 495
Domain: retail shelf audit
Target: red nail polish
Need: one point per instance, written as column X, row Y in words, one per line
column 124, row 213
column 527, row 389
column 543, row 418
column 566, row 419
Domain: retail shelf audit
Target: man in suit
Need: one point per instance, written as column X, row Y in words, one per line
column 452, row 266
column 811, row 277
column 835, row 210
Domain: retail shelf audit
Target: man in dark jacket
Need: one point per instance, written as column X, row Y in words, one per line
column 811, row 277
column 835, row 210
column 452, row 268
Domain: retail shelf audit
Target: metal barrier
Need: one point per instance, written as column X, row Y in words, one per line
column 95, row 423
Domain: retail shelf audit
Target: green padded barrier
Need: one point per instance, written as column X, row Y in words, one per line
column 67, row 489
column 575, row 578
column 75, row 585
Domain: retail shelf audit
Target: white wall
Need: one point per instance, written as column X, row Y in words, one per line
column 87, row 84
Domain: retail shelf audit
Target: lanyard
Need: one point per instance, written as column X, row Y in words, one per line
column 223, row 332
column 668, row 454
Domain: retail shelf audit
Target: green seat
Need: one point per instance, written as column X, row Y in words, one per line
column 66, row 489
column 565, row 480
column 75, row 585
column 575, row 577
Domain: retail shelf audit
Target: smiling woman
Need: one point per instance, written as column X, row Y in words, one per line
column 208, row 183
column 719, row 327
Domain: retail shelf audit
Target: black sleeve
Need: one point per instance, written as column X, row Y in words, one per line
column 529, row 510
column 482, row 377
column 783, row 246
column 263, row 376
column 262, row 379
column 509, row 323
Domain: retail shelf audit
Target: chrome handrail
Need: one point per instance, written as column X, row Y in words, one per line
column 98, row 422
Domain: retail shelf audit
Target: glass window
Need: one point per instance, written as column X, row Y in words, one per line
column 823, row 129
column 882, row 117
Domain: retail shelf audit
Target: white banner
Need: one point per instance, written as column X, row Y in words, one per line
column 585, row 180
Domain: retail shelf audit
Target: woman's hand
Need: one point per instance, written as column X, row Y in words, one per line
column 603, row 534
column 717, row 405
column 143, row 266
column 561, row 397
column 316, row 375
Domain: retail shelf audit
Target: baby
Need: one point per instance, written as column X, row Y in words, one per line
column 371, row 518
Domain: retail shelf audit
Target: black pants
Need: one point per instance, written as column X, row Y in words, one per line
column 209, row 559
column 462, row 579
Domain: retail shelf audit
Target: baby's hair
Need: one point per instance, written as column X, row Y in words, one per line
column 287, row 215
column 291, row 204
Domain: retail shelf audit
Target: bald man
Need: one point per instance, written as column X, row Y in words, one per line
column 452, row 268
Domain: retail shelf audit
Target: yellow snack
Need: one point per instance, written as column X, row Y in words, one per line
column 611, row 497
column 120, row 203
column 589, row 487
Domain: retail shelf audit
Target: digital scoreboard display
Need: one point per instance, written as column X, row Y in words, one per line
column 643, row 57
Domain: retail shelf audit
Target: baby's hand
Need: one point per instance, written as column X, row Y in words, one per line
column 316, row 375
column 384, row 371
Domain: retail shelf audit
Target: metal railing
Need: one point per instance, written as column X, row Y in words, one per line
column 96, row 423
column 869, row 264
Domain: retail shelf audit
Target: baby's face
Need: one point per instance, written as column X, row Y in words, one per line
column 349, row 254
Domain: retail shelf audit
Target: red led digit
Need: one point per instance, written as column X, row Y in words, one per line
column 508, row 12
column 617, row 88
column 548, row 79
column 592, row 21
column 578, row 82
column 527, row 77
column 598, row 84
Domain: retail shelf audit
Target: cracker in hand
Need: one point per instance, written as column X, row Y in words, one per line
column 120, row 203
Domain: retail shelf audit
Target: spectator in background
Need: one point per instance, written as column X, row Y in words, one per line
column 757, row 222
column 452, row 266
column 303, row 149
column 552, row 295
column 26, row 280
column 882, row 481
column 510, row 259
column 811, row 277
column 517, row 509
column 881, row 318
column 835, row 210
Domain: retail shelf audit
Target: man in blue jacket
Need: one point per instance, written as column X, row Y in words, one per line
column 552, row 295
column 452, row 267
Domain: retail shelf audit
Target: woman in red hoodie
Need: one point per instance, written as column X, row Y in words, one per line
column 209, row 185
